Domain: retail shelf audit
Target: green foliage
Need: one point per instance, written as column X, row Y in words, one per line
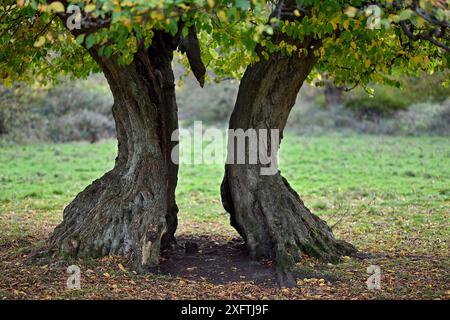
column 36, row 45
column 388, row 100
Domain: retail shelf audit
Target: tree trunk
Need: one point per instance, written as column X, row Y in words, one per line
column 264, row 209
column 131, row 209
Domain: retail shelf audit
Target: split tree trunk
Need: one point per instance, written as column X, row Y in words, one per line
column 131, row 209
column 264, row 209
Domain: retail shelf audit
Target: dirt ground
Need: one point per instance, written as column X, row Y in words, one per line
column 219, row 268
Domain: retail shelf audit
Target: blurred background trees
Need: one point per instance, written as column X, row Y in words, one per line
column 80, row 110
column 70, row 110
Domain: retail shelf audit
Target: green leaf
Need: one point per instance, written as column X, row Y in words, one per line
column 79, row 40
column 213, row 53
column 406, row 14
column 90, row 41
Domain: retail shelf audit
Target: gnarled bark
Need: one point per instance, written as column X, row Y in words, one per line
column 131, row 209
column 264, row 209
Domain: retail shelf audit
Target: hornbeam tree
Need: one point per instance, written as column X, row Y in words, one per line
column 273, row 46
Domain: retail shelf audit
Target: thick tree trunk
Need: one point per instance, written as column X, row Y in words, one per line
column 264, row 209
column 131, row 209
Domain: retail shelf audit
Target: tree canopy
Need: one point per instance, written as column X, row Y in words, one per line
column 359, row 42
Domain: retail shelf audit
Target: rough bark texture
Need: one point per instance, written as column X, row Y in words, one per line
column 131, row 209
column 264, row 209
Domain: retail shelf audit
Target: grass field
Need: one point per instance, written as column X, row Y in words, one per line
column 389, row 196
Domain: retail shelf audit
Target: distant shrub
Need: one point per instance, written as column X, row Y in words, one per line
column 379, row 106
column 389, row 100
column 67, row 111
column 71, row 96
column 419, row 119
column 440, row 123
column 82, row 125
column 81, row 109
column 427, row 88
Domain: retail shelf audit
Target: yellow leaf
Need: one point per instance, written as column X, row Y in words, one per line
column 351, row 11
column 211, row 3
column 222, row 16
column 39, row 42
column 367, row 63
column 122, row 268
column 127, row 23
column 7, row 83
column 56, row 7
column 346, row 24
column 353, row 44
column 335, row 22
column 417, row 59
column 90, row 7
column 297, row 13
column 106, row 275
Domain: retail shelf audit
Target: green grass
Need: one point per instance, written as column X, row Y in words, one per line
column 380, row 188
column 387, row 193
